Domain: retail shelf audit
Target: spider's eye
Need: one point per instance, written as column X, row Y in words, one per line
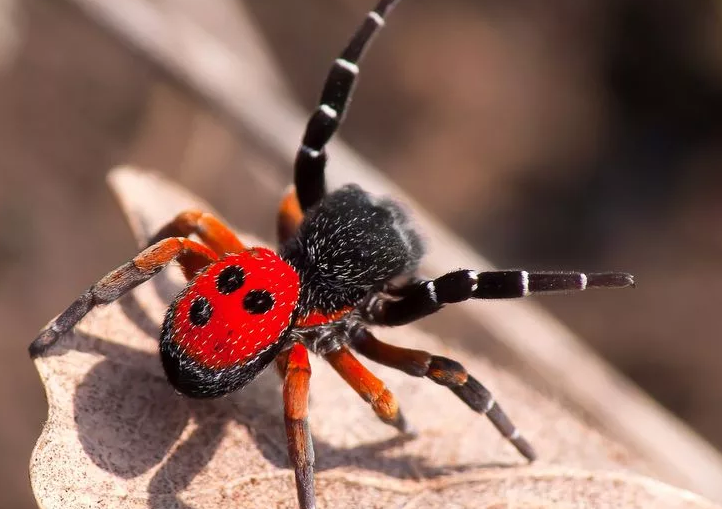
column 230, row 279
column 258, row 301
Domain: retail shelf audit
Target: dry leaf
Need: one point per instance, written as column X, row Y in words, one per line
column 118, row 436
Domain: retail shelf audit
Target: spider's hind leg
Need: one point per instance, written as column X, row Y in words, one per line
column 370, row 388
column 448, row 373
column 211, row 230
column 168, row 244
column 191, row 255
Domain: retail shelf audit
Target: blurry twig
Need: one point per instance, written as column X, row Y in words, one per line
column 11, row 31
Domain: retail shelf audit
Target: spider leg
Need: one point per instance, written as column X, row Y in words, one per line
column 370, row 388
column 424, row 297
column 296, row 370
column 113, row 285
column 290, row 215
column 446, row 372
column 214, row 233
column 337, row 91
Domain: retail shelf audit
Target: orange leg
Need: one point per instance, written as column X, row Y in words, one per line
column 289, row 215
column 448, row 373
column 121, row 280
column 370, row 388
column 214, row 233
column 296, row 369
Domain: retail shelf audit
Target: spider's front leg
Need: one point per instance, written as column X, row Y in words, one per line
column 309, row 168
column 191, row 255
column 296, row 370
column 446, row 372
column 424, row 297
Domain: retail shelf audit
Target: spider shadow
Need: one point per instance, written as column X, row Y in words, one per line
column 130, row 435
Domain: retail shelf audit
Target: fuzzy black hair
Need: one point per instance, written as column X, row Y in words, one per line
column 349, row 244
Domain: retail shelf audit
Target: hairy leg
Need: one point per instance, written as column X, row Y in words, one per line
column 309, row 168
column 424, row 297
column 370, row 388
column 446, row 372
column 211, row 230
column 296, row 371
column 192, row 255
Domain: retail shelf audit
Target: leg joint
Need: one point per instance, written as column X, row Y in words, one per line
column 116, row 283
column 385, row 405
column 456, row 286
column 446, row 372
column 475, row 395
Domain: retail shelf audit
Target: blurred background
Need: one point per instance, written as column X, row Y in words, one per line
column 557, row 134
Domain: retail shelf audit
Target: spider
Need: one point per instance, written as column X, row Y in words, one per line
column 347, row 260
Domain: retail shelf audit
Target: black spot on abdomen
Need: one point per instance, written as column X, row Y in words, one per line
column 230, row 279
column 200, row 311
column 258, row 301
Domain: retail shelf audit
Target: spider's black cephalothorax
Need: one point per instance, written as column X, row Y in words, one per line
column 347, row 261
column 348, row 245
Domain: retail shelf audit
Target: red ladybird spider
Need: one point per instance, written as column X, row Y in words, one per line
column 347, row 260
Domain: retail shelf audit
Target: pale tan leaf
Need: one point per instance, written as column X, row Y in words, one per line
column 118, row 436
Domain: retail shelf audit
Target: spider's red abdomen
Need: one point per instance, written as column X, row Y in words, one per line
column 236, row 308
column 228, row 322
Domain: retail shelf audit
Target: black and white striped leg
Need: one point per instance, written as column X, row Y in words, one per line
column 311, row 158
column 446, row 372
column 421, row 298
